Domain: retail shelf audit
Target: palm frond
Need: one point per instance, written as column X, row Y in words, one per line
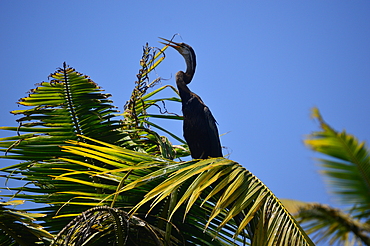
column 18, row 227
column 346, row 166
column 68, row 105
column 58, row 111
column 329, row 225
column 213, row 195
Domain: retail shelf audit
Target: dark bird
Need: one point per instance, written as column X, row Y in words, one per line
column 200, row 130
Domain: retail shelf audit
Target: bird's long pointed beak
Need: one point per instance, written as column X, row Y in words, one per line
column 171, row 43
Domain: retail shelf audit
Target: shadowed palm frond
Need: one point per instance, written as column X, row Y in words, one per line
column 329, row 225
column 109, row 226
column 18, row 227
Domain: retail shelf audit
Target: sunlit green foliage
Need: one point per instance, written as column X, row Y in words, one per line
column 101, row 176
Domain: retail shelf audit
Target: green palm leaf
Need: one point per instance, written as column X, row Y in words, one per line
column 346, row 169
column 68, row 105
column 347, row 166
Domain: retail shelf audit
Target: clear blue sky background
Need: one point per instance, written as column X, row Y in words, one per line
column 262, row 65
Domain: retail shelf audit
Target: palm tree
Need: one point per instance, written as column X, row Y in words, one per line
column 346, row 168
column 118, row 182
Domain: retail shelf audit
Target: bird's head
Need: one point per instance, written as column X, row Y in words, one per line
column 187, row 52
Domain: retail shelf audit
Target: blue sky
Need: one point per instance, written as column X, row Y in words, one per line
column 262, row 65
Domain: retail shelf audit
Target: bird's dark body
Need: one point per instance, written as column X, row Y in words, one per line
column 200, row 130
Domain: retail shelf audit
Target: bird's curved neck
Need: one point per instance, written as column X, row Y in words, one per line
column 181, row 82
column 190, row 70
